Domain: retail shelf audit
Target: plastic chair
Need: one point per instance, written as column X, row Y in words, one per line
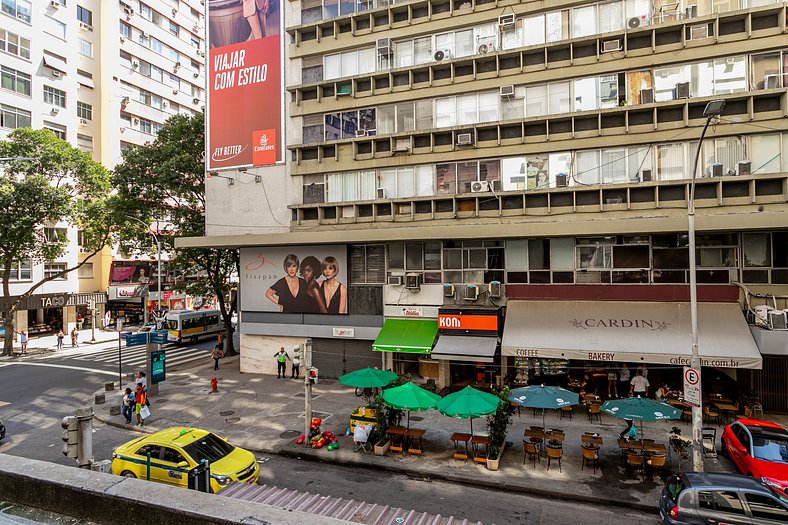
column 635, row 462
column 554, row 453
column 595, row 411
column 361, row 436
column 656, row 461
column 757, row 411
column 530, row 452
column 710, row 414
column 590, row 457
column 566, row 411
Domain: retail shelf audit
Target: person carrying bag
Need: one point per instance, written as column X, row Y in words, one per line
column 217, row 354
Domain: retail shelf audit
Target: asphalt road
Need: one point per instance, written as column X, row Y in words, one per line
column 38, row 391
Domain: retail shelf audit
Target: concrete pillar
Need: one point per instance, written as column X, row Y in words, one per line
column 69, row 318
column 40, row 316
column 20, row 322
column 444, row 374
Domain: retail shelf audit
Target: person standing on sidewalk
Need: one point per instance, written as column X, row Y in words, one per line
column 128, row 405
column 623, row 379
column 281, row 363
column 139, row 402
column 296, row 363
column 23, row 341
column 216, row 354
column 60, row 336
column 74, row 336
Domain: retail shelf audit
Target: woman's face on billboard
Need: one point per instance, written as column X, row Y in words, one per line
column 308, row 272
column 329, row 271
column 292, row 270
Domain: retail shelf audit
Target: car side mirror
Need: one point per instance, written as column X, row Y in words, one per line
column 183, row 464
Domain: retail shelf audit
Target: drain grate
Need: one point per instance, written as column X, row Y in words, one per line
column 289, row 434
column 232, row 420
column 227, row 413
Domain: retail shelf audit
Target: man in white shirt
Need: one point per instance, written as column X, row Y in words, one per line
column 644, row 370
column 639, row 385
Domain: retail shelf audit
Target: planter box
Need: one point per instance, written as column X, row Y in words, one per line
column 492, row 463
column 381, row 447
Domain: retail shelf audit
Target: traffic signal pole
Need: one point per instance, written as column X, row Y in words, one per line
column 307, row 388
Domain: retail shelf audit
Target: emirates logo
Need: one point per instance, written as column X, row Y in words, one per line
column 264, row 139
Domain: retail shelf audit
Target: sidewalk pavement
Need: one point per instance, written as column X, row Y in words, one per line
column 265, row 414
column 48, row 343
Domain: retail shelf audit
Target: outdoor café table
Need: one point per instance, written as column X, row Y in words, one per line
column 397, row 438
column 647, row 447
column 726, row 408
column 476, row 443
column 413, row 435
column 459, row 437
column 592, row 439
column 679, row 404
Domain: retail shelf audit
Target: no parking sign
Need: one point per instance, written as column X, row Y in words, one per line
column 692, row 385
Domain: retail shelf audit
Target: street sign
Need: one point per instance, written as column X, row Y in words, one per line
column 159, row 338
column 158, row 368
column 692, row 386
column 137, row 339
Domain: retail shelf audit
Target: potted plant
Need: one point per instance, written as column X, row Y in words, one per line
column 497, row 426
column 382, row 441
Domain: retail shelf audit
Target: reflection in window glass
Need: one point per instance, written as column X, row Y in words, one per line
column 765, row 154
column 559, row 98
column 534, row 30
column 583, row 21
column 585, row 94
column 757, row 250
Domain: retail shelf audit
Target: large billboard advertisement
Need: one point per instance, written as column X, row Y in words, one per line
column 294, row 279
column 245, row 110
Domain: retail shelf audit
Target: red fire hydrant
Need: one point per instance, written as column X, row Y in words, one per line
column 214, row 385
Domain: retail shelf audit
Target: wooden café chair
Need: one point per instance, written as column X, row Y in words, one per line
column 590, row 457
column 554, row 453
column 530, row 452
column 635, row 462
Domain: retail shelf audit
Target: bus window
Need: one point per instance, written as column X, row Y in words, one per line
column 172, row 324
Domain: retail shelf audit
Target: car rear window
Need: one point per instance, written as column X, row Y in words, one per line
column 767, row 507
column 674, row 487
column 208, row 448
column 770, row 446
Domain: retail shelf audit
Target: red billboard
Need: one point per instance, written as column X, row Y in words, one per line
column 245, row 85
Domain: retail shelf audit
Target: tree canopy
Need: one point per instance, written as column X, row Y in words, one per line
column 44, row 182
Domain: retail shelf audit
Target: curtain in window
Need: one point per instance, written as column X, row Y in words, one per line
column 385, row 119
column 534, row 31
column 584, row 21
column 587, row 167
column 424, row 114
column 403, row 53
column 555, row 26
column 611, row 17
column 561, row 257
column 349, row 63
column 559, row 98
column 335, row 188
column 614, row 165
column 729, row 152
column 467, row 109
column 445, row 43
column 406, row 118
column 464, row 43
column 488, row 106
column 423, row 50
column 366, row 60
column 535, row 101
column 367, row 185
column 387, row 179
column 444, row 112
column 406, row 186
column 670, row 161
column 332, row 67
column 585, row 94
column 425, row 181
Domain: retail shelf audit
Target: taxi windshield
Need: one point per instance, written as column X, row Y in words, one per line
column 208, row 448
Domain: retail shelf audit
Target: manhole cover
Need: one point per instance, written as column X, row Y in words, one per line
column 229, row 413
column 314, row 396
column 289, row 434
column 412, row 418
column 232, row 420
column 201, row 391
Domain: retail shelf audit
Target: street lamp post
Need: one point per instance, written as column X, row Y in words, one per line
column 158, row 263
column 713, row 109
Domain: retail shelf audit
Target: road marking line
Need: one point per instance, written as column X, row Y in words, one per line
column 4, row 403
column 68, row 367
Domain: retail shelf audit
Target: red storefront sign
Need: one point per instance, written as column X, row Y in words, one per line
column 468, row 322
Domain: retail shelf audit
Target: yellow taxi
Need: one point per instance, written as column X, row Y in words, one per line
column 175, row 451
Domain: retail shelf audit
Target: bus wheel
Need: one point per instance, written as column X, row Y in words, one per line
column 193, row 341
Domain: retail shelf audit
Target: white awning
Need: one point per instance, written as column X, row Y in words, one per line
column 626, row 331
column 465, row 348
column 55, row 64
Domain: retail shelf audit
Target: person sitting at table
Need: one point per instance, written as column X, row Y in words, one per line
column 662, row 392
column 522, row 377
column 630, row 432
column 588, row 385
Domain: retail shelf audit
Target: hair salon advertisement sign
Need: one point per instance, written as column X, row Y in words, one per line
column 294, row 279
column 245, row 111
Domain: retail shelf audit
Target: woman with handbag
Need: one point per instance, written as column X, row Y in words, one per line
column 217, row 354
column 140, row 397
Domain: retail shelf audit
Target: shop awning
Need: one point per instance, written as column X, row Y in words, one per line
column 626, row 331
column 465, row 348
column 413, row 336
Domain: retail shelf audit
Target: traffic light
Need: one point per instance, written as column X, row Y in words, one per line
column 70, row 436
column 312, row 371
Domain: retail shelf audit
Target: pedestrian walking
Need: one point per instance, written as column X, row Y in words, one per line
column 216, row 354
column 296, row 363
column 60, row 337
column 128, row 405
column 139, row 403
column 74, row 336
column 23, row 341
column 612, row 383
column 281, row 363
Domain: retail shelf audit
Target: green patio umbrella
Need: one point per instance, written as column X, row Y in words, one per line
column 368, row 378
column 541, row 396
column 410, row 397
column 468, row 403
column 640, row 409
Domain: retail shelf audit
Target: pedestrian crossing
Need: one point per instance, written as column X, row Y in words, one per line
column 135, row 356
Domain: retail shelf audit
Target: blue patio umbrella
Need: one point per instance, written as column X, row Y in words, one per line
column 640, row 409
column 541, row 396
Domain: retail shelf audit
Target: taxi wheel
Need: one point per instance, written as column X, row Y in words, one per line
column 128, row 474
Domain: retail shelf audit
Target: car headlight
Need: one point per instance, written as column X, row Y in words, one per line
column 772, row 483
column 222, row 480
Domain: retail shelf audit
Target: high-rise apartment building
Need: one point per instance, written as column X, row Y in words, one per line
column 504, row 186
column 103, row 75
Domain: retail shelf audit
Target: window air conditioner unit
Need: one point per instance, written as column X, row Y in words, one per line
column 136, row 121
column 413, row 282
column 83, row 122
column 196, row 29
column 691, row 11
column 480, row 186
column 380, row 193
column 561, row 180
column 175, row 91
column 496, row 289
column 400, row 148
column 682, row 90
column 135, row 65
column 384, row 46
column 361, row 133
column 84, row 27
column 143, row 34
column 771, row 81
column 448, row 290
column 174, row 11
column 395, row 280
column 55, row 4
column 124, row 101
column 647, row 96
column 698, row 32
column 777, row 320
column 122, row 39
column 471, row 292
column 464, row 139
column 507, row 91
column 645, row 176
column 608, row 46
column 54, row 111
column 716, row 170
column 442, row 54
column 745, row 167
column 507, row 22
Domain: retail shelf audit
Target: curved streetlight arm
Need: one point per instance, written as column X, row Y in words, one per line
column 158, row 259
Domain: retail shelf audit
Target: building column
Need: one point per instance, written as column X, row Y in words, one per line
column 39, row 316
column 69, row 318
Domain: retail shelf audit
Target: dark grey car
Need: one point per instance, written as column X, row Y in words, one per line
column 2, row 430
column 712, row 498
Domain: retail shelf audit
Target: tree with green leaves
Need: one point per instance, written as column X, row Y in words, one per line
column 163, row 184
column 46, row 181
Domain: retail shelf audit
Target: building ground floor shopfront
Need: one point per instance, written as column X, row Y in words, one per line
column 48, row 313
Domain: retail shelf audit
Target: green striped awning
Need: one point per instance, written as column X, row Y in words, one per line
column 413, row 336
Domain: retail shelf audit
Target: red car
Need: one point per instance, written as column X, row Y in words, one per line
column 759, row 449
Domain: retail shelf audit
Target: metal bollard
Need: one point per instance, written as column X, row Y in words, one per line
column 99, row 399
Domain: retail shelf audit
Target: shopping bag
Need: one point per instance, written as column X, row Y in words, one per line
column 145, row 412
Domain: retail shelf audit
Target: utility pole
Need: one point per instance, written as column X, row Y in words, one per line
column 119, row 324
column 307, row 388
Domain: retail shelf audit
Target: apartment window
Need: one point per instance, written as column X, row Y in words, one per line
column 145, row 97
column 21, row 9
column 411, row 181
column 11, row 117
column 174, row 28
column 20, row 270
column 351, row 186
column 14, row 80
column 349, row 63
column 146, row 12
column 766, row 153
column 157, row 46
column 125, row 30
column 85, row 79
column 14, row 44
column 348, row 123
column 145, row 126
column 458, row 177
column 85, row 143
column 195, row 42
column 84, row 110
column 472, row 261
column 367, row 264
column 53, row 269
column 54, row 27
column 54, row 96
column 85, row 16
column 57, row 129
column 85, row 48
column 85, row 271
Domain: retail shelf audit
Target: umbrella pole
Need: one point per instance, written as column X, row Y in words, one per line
column 471, row 427
column 408, row 427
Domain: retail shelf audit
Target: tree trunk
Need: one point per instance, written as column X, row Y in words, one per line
column 8, row 312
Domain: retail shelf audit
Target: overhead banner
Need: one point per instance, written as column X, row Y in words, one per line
column 294, row 279
column 245, row 112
